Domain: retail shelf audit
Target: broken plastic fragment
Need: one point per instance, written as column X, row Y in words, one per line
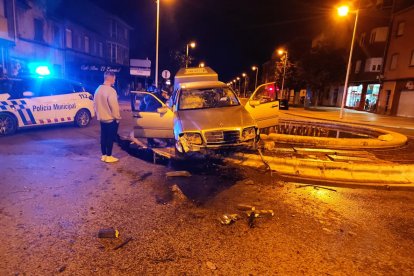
column 227, row 219
column 108, row 233
column 178, row 173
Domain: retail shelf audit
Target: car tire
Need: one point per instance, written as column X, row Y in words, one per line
column 83, row 118
column 8, row 124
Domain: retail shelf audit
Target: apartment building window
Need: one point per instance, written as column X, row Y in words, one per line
column 372, row 37
column 373, row 64
column 69, row 38
column 100, row 49
column 114, row 29
column 394, row 61
column 86, row 40
column 126, row 33
column 39, row 34
column 412, row 58
column 79, row 39
column 362, row 39
column 400, row 28
column 357, row 66
column 113, row 52
column 56, row 35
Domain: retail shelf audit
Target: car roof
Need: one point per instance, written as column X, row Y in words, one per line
column 202, row 84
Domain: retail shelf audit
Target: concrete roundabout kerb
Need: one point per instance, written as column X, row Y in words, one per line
column 385, row 139
column 373, row 173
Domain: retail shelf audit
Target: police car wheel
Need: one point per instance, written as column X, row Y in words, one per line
column 82, row 118
column 8, row 124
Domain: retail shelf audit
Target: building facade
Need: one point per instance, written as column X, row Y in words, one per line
column 66, row 38
column 397, row 92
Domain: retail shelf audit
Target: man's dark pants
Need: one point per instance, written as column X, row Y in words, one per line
column 108, row 136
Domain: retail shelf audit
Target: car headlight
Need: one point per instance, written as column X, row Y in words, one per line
column 249, row 133
column 193, row 138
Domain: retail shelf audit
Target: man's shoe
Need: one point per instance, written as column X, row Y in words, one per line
column 111, row 159
column 103, row 158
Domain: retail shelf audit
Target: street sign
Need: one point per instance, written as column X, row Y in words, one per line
column 166, row 74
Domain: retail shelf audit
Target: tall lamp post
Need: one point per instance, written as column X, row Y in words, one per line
column 157, row 43
column 255, row 68
column 282, row 52
column 238, row 79
column 245, row 79
column 343, row 11
column 192, row 45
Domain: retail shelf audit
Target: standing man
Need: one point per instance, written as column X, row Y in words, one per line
column 107, row 113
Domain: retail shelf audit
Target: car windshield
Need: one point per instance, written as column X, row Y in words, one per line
column 207, row 98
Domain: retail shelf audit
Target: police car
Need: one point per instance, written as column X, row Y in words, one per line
column 39, row 101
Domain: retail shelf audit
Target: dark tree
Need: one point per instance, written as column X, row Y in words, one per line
column 321, row 68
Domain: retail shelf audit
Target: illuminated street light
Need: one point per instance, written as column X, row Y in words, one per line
column 343, row 11
column 245, row 79
column 192, row 45
column 238, row 78
column 202, row 65
column 255, row 68
column 283, row 52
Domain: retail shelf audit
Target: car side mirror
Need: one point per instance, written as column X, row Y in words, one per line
column 162, row 110
column 28, row 94
column 254, row 103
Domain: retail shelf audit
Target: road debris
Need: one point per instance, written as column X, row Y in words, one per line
column 211, row 266
column 108, row 233
column 123, row 243
column 251, row 219
column 315, row 187
column 178, row 174
column 178, row 194
column 248, row 182
column 62, row 269
column 228, row 219
column 245, row 207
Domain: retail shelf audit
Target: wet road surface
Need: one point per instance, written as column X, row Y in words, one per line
column 55, row 195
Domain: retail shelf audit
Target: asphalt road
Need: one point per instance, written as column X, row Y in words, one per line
column 55, row 195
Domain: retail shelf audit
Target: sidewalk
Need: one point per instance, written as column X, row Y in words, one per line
column 351, row 116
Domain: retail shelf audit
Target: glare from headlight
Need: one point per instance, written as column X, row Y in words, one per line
column 193, row 138
column 249, row 133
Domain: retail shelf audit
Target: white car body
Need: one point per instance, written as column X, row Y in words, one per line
column 46, row 108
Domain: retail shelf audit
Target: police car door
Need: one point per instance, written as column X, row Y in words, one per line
column 67, row 102
column 39, row 103
column 263, row 106
column 153, row 118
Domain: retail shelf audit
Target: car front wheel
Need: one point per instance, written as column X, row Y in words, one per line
column 83, row 118
column 8, row 124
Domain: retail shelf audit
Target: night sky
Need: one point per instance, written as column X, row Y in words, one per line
column 231, row 35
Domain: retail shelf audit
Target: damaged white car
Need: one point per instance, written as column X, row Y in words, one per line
column 202, row 117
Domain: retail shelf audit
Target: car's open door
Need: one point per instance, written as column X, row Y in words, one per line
column 153, row 119
column 263, row 105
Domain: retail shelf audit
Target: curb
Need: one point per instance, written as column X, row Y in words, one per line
column 389, row 139
column 371, row 175
column 345, row 121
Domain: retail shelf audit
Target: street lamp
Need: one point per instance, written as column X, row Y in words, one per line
column 282, row 52
column 202, row 65
column 344, row 11
column 245, row 79
column 238, row 78
column 255, row 68
column 157, row 43
column 192, row 45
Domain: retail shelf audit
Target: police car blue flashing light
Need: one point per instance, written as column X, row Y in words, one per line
column 42, row 71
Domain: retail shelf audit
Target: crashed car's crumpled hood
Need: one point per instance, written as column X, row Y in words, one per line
column 215, row 118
